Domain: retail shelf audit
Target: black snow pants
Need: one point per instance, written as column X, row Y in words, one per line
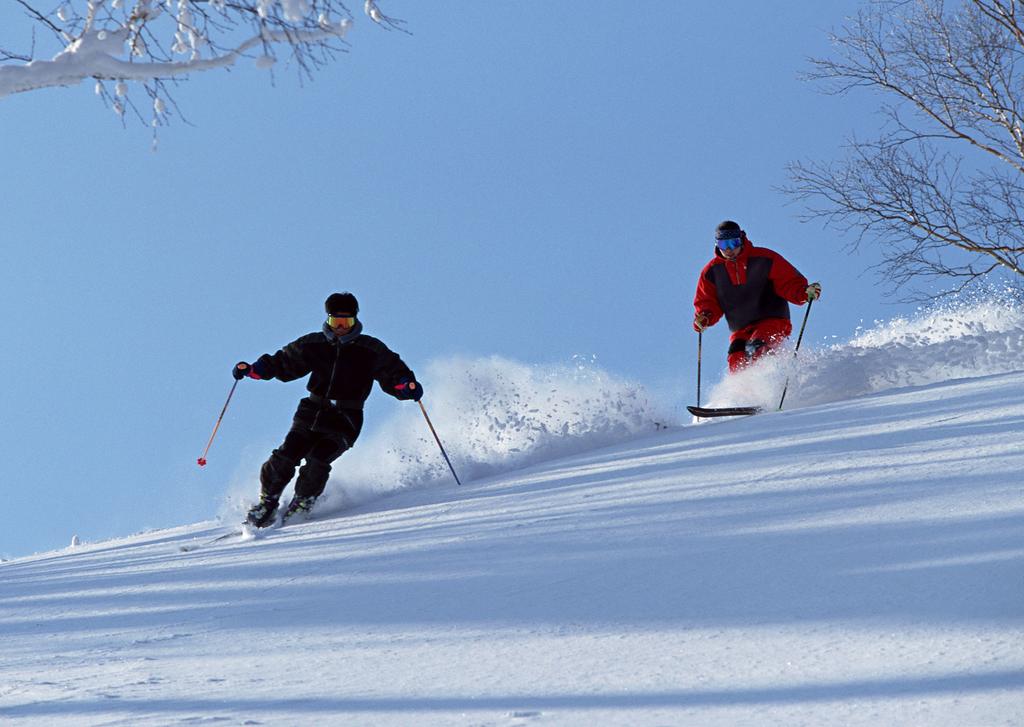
column 318, row 446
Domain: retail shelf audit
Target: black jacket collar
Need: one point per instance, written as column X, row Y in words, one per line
column 357, row 330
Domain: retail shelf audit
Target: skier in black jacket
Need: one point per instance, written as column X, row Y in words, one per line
column 342, row 363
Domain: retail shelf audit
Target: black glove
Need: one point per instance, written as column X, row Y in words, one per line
column 408, row 390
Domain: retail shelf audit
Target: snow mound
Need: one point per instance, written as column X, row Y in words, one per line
column 959, row 339
column 494, row 415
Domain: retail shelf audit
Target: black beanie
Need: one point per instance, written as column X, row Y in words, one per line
column 342, row 303
column 728, row 230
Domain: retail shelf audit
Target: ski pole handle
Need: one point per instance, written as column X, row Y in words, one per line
column 202, row 460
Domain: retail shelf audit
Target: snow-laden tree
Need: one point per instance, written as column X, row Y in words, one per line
column 153, row 42
column 941, row 189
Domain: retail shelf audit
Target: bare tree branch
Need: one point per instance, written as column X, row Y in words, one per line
column 940, row 190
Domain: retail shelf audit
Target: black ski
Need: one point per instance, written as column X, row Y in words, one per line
column 246, row 528
column 224, row 536
column 728, row 411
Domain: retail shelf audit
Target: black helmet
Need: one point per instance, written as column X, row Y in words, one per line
column 342, row 303
column 728, row 230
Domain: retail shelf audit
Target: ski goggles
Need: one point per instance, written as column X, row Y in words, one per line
column 731, row 243
column 346, row 321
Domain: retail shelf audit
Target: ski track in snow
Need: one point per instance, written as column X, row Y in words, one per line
column 857, row 559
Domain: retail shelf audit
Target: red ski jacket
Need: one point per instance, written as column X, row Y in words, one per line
column 754, row 286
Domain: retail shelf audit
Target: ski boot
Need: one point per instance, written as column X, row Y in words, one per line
column 299, row 506
column 262, row 514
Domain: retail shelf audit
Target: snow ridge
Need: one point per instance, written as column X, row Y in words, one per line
column 958, row 339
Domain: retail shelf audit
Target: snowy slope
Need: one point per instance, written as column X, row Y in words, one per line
column 857, row 562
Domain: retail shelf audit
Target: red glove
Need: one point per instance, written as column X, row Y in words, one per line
column 243, row 369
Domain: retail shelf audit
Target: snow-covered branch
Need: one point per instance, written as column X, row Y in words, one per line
column 151, row 41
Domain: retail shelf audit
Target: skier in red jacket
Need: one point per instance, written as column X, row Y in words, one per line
column 752, row 287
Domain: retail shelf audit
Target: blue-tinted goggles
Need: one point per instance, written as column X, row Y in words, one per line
column 729, row 244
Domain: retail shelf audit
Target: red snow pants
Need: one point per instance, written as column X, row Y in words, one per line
column 751, row 342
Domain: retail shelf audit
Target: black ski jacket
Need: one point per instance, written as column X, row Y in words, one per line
column 341, row 375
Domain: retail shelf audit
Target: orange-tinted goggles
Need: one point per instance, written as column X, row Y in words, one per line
column 346, row 321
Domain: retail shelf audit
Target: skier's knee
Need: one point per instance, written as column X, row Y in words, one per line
column 277, row 471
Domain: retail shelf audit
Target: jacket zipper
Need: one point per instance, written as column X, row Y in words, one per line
column 330, row 385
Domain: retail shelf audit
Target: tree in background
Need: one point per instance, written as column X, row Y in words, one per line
column 157, row 42
column 940, row 190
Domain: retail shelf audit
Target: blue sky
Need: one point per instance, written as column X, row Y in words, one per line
column 534, row 180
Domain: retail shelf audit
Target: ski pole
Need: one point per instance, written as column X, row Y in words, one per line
column 700, row 346
column 202, row 460
column 438, row 440
column 795, row 350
